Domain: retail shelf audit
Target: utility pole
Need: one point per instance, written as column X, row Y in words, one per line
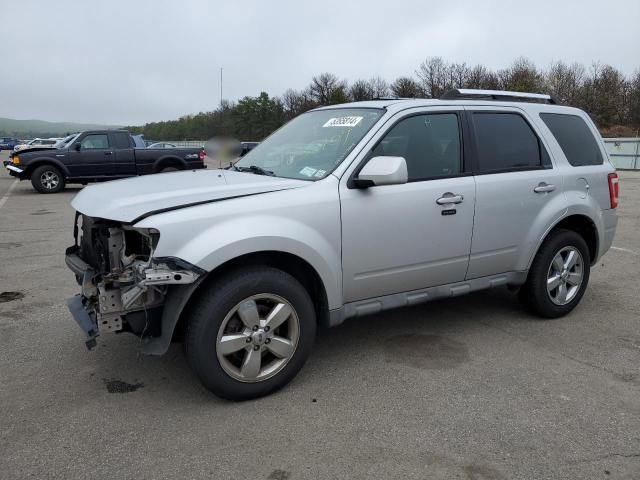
column 220, row 86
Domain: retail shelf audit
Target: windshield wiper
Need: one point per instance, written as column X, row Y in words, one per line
column 255, row 169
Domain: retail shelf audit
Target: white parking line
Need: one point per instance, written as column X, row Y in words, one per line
column 625, row 250
column 4, row 199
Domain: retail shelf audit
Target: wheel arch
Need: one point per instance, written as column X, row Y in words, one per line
column 168, row 161
column 46, row 161
column 583, row 225
column 179, row 299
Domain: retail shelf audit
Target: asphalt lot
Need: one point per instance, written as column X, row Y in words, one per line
column 471, row 388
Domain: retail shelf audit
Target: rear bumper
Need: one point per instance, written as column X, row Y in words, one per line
column 610, row 222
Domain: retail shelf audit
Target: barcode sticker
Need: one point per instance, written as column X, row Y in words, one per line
column 343, row 121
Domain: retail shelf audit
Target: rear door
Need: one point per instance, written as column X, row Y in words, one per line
column 125, row 158
column 518, row 191
column 93, row 158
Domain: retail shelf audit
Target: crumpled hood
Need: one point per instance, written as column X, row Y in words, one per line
column 131, row 199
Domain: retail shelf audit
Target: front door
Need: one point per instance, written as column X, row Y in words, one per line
column 94, row 158
column 398, row 238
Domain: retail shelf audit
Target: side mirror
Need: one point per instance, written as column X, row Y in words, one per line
column 77, row 146
column 382, row 171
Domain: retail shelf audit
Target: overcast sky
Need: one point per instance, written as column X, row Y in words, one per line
column 129, row 62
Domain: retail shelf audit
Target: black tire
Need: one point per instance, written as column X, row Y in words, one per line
column 534, row 294
column 39, row 180
column 169, row 169
column 212, row 306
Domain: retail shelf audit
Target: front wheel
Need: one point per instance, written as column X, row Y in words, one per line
column 558, row 276
column 47, row 179
column 250, row 332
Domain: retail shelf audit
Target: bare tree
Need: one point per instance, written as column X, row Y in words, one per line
column 522, row 76
column 432, row 74
column 360, row 90
column 379, row 87
column 405, row 87
column 459, row 75
column 480, row 77
column 294, row 102
column 326, row 89
column 564, row 81
column 634, row 100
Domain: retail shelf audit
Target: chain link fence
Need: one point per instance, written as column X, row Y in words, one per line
column 624, row 152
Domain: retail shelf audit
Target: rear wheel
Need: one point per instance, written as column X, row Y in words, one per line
column 47, row 179
column 169, row 169
column 558, row 276
column 250, row 332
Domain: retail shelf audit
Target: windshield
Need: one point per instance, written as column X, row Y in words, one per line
column 313, row 144
column 66, row 141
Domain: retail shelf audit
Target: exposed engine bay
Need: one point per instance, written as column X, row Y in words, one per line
column 123, row 285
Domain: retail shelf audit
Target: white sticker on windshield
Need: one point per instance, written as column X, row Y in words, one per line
column 320, row 173
column 343, row 121
column 308, row 171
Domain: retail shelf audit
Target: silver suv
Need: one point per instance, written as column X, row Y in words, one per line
column 346, row 210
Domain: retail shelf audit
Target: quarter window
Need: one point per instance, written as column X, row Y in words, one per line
column 430, row 144
column 121, row 140
column 575, row 138
column 92, row 142
column 505, row 141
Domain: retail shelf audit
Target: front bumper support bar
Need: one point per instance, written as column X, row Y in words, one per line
column 85, row 320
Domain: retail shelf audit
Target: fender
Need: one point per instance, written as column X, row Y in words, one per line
column 581, row 210
column 172, row 159
column 179, row 295
column 36, row 162
column 240, row 236
column 222, row 231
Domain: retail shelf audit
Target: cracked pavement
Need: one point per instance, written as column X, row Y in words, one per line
column 469, row 388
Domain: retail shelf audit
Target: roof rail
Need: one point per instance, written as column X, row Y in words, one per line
column 504, row 95
column 393, row 98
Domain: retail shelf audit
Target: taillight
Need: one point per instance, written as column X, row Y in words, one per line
column 613, row 189
column 201, row 155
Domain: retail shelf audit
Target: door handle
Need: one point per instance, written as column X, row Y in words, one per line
column 544, row 187
column 449, row 198
column 108, row 153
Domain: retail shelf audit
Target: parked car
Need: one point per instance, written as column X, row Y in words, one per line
column 246, row 147
column 36, row 143
column 162, row 145
column 7, row 143
column 345, row 211
column 96, row 156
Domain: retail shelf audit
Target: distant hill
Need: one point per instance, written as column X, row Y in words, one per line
column 39, row 128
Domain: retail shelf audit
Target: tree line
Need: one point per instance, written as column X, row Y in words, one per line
column 609, row 96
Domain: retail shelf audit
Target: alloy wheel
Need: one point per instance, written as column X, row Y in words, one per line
column 49, row 180
column 257, row 338
column 565, row 275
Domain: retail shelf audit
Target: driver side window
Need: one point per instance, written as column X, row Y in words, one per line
column 430, row 144
column 93, row 142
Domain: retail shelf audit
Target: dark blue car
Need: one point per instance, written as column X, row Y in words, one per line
column 7, row 143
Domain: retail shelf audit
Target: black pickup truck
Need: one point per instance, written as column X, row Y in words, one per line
column 96, row 156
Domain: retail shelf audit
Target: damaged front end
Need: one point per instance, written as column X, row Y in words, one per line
column 123, row 286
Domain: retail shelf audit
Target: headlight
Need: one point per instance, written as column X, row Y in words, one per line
column 16, row 160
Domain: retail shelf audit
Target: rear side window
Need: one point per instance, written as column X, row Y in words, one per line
column 575, row 138
column 505, row 141
column 121, row 140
